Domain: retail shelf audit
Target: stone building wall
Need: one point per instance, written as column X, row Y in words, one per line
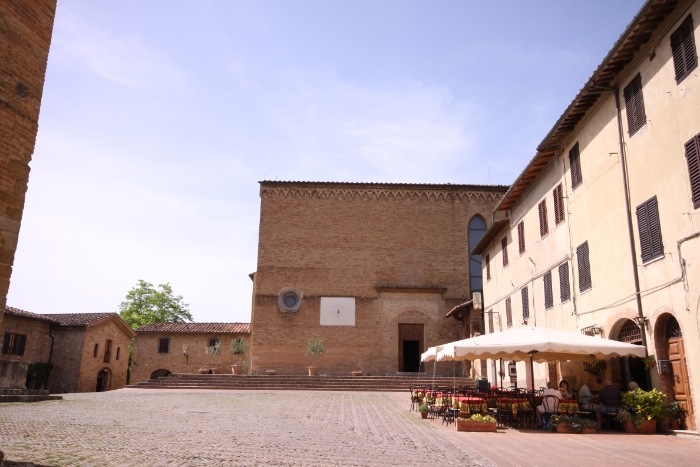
column 38, row 344
column 146, row 358
column 66, row 358
column 90, row 365
column 25, row 28
column 399, row 250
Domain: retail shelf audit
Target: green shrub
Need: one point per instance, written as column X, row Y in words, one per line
column 573, row 422
column 648, row 404
column 423, row 408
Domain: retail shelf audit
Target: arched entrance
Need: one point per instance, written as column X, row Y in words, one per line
column 673, row 371
column 631, row 368
column 162, row 373
column 104, row 380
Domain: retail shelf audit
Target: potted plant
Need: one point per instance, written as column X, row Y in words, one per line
column 571, row 424
column 645, row 408
column 477, row 422
column 214, row 350
column 423, row 409
column 239, row 346
column 649, row 361
column 357, row 373
column 315, row 348
column 676, row 415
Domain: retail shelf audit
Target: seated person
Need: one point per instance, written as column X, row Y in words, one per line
column 617, row 384
column 610, row 400
column 566, row 391
column 550, row 391
column 585, row 398
column 633, row 386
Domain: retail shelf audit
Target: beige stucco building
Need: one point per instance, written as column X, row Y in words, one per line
column 602, row 226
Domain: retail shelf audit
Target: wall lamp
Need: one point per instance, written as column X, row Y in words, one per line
column 642, row 322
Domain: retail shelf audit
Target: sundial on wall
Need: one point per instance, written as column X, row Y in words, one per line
column 337, row 311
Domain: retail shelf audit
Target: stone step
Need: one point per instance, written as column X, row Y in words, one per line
column 298, row 382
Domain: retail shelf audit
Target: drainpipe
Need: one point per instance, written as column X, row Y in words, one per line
column 633, row 250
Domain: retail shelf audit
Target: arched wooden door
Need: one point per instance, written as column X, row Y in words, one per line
column 681, row 386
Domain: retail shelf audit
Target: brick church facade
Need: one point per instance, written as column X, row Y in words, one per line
column 371, row 268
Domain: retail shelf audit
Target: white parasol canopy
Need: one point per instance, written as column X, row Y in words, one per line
column 538, row 344
column 430, row 354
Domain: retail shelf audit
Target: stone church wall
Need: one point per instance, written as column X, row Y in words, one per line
column 399, row 250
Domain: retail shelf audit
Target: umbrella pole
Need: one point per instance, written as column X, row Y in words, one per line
column 500, row 372
column 532, row 373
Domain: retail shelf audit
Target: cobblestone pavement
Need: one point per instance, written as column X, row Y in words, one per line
column 173, row 428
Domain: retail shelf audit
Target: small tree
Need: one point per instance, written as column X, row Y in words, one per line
column 239, row 346
column 315, row 347
column 213, row 349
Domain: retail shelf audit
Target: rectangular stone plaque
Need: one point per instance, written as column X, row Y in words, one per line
column 337, row 311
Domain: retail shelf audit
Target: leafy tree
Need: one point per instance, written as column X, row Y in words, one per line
column 145, row 304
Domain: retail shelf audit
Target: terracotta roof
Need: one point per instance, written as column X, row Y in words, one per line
column 490, row 234
column 455, row 186
column 458, row 308
column 637, row 33
column 77, row 319
column 27, row 314
column 209, row 328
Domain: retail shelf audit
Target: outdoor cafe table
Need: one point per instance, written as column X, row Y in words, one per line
column 512, row 404
column 567, row 407
column 470, row 404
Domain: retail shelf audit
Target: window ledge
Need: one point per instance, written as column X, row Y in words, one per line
column 586, row 291
column 638, row 131
column 653, row 260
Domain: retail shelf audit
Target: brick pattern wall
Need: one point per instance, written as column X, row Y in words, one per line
column 38, row 343
column 90, row 365
column 146, row 358
column 346, row 240
column 25, row 28
column 66, row 358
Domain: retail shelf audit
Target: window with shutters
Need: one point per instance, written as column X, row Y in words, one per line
column 526, row 304
column 509, row 315
column 488, row 267
column 491, row 330
column 685, row 57
column 108, row 351
column 13, row 344
column 575, row 165
column 544, row 227
column 163, row 345
column 634, row 104
column 564, row 290
column 548, row 298
column 692, row 156
column 521, row 237
column 504, row 251
column 584, row 268
column 558, row 195
column 96, row 350
column 649, row 226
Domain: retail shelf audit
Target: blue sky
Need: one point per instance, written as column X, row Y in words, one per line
column 159, row 118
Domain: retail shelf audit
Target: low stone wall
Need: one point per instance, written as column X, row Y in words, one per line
column 13, row 374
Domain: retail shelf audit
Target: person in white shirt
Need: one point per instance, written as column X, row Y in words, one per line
column 585, row 398
column 550, row 391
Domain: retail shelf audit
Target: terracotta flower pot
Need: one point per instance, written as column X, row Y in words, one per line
column 236, row 369
column 203, row 371
column 674, row 425
column 217, row 371
column 562, row 428
column 270, row 372
column 471, row 425
column 424, row 415
column 357, row 373
column 648, row 427
column 313, row 370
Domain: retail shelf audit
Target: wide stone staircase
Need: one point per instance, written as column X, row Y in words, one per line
column 293, row 382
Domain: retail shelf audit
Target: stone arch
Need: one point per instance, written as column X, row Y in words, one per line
column 161, row 373
column 616, row 320
column 659, row 322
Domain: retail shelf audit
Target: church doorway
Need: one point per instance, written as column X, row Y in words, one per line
column 410, row 347
column 102, row 380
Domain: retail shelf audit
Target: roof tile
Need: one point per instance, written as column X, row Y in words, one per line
column 221, row 328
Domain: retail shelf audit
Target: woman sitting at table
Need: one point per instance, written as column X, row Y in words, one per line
column 566, row 391
column 550, row 391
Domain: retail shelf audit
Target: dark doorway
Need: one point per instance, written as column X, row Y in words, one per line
column 102, row 379
column 638, row 372
column 411, row 356
column 160, row 373
column 410, row 347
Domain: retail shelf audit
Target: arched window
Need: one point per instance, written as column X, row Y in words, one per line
column 673, row 329
column 477, row 228
column 630, row 333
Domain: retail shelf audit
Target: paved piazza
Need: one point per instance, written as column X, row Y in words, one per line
column 132, row 427
column 149, row 428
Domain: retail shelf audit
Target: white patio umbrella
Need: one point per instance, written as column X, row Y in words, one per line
column 537, row 344
column 431, row 353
